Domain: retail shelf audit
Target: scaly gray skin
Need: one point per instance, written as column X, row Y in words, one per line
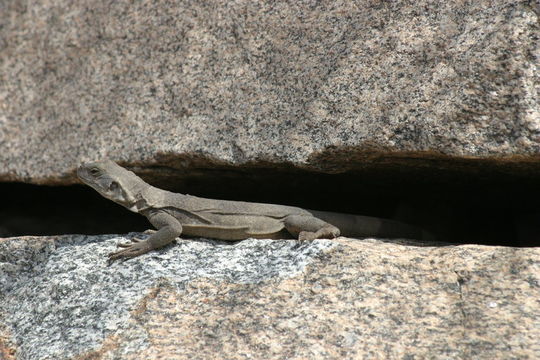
column 174, row 214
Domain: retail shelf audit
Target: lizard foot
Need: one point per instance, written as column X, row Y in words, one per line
column 324, row 233
column 306, row 236
column 135, row 248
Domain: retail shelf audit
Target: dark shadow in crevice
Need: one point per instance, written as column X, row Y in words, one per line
column 455, row 206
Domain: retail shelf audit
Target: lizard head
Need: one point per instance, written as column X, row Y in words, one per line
column 112, row 182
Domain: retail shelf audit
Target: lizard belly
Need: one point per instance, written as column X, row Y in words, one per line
column 234, row 227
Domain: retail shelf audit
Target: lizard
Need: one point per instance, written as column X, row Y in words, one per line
column 173, row 214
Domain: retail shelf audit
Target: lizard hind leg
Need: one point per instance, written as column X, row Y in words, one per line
column 306, row 227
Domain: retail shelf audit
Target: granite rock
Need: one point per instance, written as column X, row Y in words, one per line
column 202, row 299
column 316, row 85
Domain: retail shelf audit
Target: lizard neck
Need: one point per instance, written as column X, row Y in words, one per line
column 150, row 197
column 145, row 198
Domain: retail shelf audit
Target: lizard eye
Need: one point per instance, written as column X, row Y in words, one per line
column 94, row 171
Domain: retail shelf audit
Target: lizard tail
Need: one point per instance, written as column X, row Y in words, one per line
column 366, row 226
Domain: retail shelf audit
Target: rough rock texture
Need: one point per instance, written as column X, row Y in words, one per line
column 268, row 299
column 321, row 85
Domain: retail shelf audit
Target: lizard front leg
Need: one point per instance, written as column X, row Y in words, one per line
column 168, row 229
column 309, row 228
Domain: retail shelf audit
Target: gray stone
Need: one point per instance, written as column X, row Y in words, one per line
column 201, row 299
column 327, row 86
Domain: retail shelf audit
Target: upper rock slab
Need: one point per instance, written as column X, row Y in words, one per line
column 245, row 82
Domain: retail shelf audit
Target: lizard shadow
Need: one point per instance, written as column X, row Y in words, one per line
column 411, row 242
column 299, row 243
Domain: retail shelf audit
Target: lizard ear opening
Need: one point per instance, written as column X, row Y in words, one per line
column 114, row 186
column 116, row 191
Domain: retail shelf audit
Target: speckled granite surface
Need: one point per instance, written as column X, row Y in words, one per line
column 234, row 82
column 267, row 299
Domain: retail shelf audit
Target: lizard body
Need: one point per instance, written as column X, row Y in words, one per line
column 174, row 214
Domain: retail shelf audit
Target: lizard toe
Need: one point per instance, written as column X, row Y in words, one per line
column 133, row 241
column 130, row 250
